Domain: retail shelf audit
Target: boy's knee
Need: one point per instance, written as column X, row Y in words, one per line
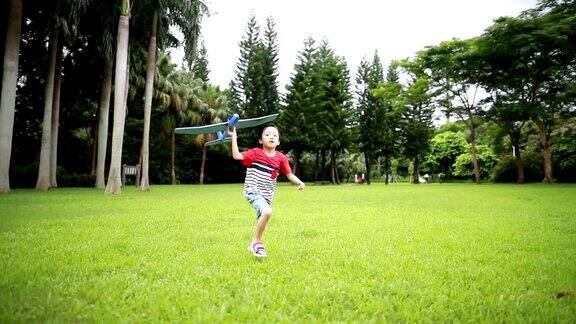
column 267, row 212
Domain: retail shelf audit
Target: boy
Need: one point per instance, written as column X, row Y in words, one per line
column 263, row 166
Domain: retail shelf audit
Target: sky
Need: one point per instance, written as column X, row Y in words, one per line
column 354, row 29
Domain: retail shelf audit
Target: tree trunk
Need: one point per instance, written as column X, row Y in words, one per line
column 546, row 151
column 378, row 173
column 56, row 119
column 8, row 97
column 43, row 181
column 316, row 163
column 148, row 92
column 173, row 157
column 202, row 164
column 474, row 152
column 416, row 171
column 114, row 185
column 103, row 123
column 323, row 165
column 368, row 167
column 94, row 146
column 386, row 168
column 518, row 157
column 333, row 167
column 297, row 163
column 337, row 176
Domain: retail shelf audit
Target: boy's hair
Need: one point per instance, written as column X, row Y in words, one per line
column 266, row 126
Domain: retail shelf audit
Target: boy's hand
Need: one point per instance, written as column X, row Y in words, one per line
column 301, row 186
column 231, row 131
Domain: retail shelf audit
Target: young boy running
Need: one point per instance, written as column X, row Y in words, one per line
column 263, row 166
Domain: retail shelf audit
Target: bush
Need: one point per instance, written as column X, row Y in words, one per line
column 506, row 171
column 72, row 179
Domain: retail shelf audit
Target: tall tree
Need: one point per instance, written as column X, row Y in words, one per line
column 105, row 29
column 417, row 114
column 297, row 115
column 369, row 112
column 150, row 67
column 43, row 181
column 452, row 72
column 254, row 88
column 8, row 97
column 200, row 68
column 335, row 107
column 213, row 109
column 63, row 22
column 187, row 16
column 531, row 60
column 114, row 185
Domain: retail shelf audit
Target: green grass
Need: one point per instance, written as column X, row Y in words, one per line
column 449, row 252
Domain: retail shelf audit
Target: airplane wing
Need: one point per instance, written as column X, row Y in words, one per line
column 206, row 129
column 242, row 123
column 252, row 122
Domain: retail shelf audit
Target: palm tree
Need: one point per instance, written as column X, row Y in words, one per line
column 214, row 109
column 63, row 21
column 114, row 185
column 187, row 16
column 8, row 98
column 105, row 27
column 178, row 96
column 43, row 181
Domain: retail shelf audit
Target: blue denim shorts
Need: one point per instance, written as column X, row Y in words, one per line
column 257, row 201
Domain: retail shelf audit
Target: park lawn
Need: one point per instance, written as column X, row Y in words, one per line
column 434, row 252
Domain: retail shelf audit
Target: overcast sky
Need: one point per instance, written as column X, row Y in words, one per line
column 354, row 29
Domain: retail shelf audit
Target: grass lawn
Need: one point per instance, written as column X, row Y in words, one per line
column 448, row 252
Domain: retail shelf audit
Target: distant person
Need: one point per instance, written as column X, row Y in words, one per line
column 264, row 164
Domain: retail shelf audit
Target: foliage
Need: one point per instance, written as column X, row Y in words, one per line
column 445, row 147
column 564, row 144
column 506, row 171
column 254, row 87
column 487, row 160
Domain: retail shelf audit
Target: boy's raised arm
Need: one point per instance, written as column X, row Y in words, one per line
column 235, row 151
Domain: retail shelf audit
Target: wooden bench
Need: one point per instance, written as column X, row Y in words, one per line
column 131, row 170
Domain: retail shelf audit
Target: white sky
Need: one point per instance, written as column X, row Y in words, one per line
column 354, row 29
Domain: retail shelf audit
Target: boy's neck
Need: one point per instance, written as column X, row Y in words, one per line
column 269, row 151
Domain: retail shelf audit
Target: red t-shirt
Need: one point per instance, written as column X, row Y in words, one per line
column 262, row 171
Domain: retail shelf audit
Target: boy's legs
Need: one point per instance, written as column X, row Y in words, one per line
column 263, row 213
column 261, row 223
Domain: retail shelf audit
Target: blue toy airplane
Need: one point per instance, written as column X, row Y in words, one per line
column 220, row 128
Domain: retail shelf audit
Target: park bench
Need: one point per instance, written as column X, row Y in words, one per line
column 131, row 170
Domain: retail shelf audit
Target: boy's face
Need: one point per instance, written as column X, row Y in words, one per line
column 270, row 137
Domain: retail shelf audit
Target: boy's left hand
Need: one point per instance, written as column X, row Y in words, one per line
column 301, row 186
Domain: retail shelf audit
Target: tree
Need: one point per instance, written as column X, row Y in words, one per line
column 417, row 114
column 187, row 16
column 445, row 147
column 200, row 68
column 511, row 117
column 213, row 109
column 254, row 87
column 114, row 185
column 335, row 118
column 453, row 74
column 297, row 115
column 530, row 61
column 63, row 18
column 370, row 112
column 8, row 99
